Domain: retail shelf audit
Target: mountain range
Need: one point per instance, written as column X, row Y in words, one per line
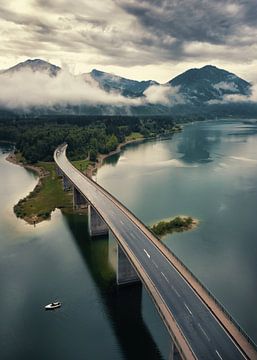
column 193, row 89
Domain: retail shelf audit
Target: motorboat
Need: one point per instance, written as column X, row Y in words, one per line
column 53, row 305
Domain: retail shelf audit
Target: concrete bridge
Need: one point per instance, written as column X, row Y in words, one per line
column 200, row 328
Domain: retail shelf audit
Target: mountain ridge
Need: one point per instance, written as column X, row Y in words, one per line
column 190, row 91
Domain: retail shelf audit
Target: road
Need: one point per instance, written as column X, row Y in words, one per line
column 206, row 337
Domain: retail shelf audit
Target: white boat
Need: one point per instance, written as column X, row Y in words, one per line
column 53, row 305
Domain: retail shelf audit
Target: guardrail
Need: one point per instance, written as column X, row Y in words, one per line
column 143, row 275
column 221, row 306
column 217, row 302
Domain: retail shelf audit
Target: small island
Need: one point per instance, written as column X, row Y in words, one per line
column 178, row 224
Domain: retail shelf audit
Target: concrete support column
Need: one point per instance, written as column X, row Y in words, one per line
column 96, row 224
column 174, row 354
column 125, row 271
column 58, row 171
column 78, row 199
column 66, row 183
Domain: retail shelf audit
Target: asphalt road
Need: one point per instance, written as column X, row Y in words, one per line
column 206, row 337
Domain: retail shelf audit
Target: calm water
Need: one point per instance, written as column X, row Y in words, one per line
column 57, row 260
column 208, row 171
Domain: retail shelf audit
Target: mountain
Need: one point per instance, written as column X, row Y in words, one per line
column 36, row 65
column 203, row 91
column 110, row 82
column 209, row 84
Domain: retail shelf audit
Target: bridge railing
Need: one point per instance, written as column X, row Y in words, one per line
column 221, row 306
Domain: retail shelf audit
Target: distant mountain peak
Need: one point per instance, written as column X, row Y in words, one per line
column 35, row 65
column 209, row 83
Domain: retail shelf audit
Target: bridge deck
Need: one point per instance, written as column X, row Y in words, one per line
column 195, row 330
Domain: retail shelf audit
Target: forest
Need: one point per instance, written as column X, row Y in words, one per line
column 37, row 138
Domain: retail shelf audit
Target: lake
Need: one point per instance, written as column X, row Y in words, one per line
column 207, row 171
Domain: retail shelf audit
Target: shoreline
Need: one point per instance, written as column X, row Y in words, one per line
column 42, row 173
column 92, row 169
column 11, row 157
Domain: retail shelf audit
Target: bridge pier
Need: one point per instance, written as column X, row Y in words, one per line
column 126, row 273
column 174, row 354
column 58, row 171
column 78, row 199
column 96, row 225
column 66, row 183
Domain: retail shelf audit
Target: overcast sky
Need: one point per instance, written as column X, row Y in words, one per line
column 139, row 39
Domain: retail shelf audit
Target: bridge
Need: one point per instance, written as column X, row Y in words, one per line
column 200, row 328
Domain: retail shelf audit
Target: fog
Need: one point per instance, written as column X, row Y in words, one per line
column 163, row 94
column 25, row 89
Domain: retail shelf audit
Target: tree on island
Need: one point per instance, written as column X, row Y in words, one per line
column 177, row 224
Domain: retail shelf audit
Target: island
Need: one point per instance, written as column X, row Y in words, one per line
column 177, row 224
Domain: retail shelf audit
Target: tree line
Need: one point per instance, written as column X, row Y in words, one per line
column 37, row 138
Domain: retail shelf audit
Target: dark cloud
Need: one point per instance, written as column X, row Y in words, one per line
column 214, row 22
column 129, row 33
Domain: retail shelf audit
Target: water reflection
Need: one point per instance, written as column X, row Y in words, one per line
column 123, row 304
column 218, row 187
column 57, row 260
column 196, row 144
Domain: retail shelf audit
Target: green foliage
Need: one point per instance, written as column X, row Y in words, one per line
column 37, row 138
column 176, row 224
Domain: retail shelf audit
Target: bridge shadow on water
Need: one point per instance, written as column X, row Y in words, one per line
column 123, row 304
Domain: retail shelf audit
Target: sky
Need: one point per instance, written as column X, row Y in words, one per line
column 137, row 39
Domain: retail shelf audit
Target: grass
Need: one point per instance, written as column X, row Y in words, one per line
column 48, row 195
column 80, row 164
column 134, row 136
column 19, row 157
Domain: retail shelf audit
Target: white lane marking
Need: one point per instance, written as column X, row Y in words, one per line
column 133, row 235
column 155, row 264
column 165, row 277
column 176, row 291
column 204, row 304
column 207, row 337
column 190, row 312
column 147, row 253
column 219, row 354
column 121, row 222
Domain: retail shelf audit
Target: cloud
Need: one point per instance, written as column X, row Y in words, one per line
column 131, row 33
column 236, row 98
column 25, row 89
column 214, row 22
column 223, row 85
column 165, row 95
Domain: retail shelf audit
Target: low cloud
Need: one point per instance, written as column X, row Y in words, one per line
column 165, row 95
column 229, row 86
column 237, row 98
column 25, row 89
